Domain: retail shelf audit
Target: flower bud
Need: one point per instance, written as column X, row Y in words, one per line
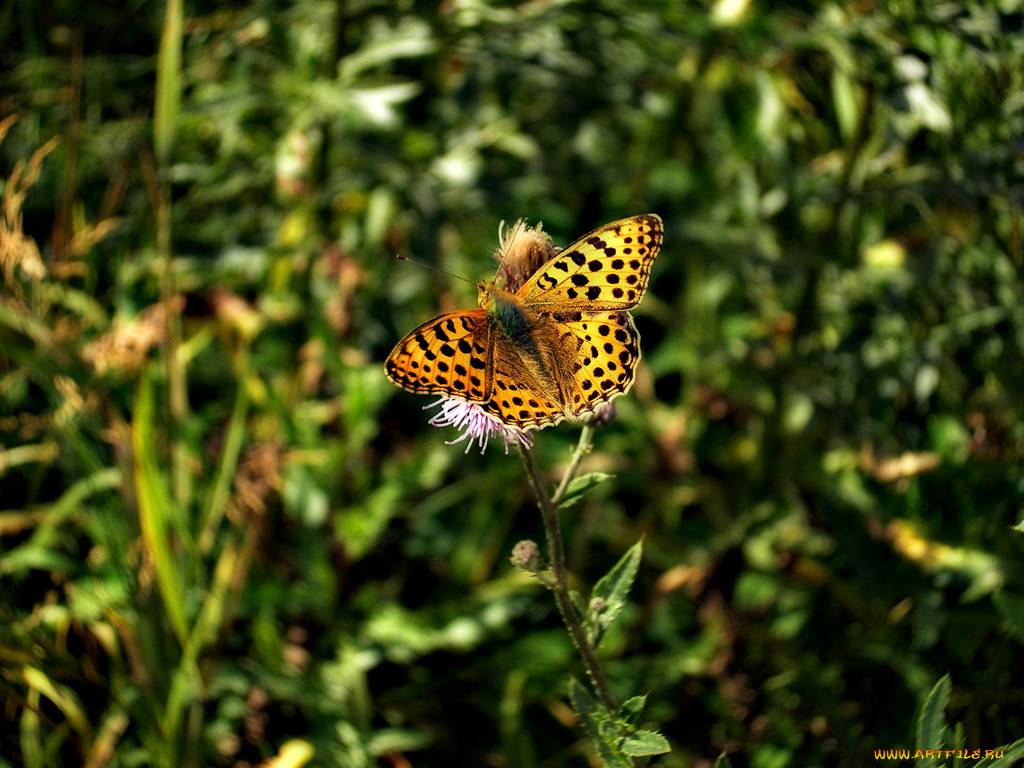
column 602, row 415
column 526, row 556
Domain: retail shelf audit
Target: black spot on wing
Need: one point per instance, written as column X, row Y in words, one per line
column 437, row 356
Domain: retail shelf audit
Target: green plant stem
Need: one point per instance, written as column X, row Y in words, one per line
column 556, row 555
column 583, row 447
column 177, row 391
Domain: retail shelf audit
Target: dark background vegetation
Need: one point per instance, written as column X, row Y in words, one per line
column 224, row 535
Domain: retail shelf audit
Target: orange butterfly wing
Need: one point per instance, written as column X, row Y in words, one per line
column 607, row 269
column 608, row 351
column 449, row 355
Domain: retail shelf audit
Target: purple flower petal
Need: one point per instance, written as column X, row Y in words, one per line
column 476, row 424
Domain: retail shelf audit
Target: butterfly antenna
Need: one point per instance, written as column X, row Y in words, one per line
column 506, row 243
column 403, row 257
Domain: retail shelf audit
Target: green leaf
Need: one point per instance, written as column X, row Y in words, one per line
column 71, row 501
column 1011, row 608
column 610, row 592
column 388, row 740
column 595, row 721
column 932, row 722
column 65, row 699
column 844, row 99
column 168, row 82
column 583, row 703
column 959, row 739
column 1011, row 754
column 226, row 467
column 633, row 708
column 581, row 486
column 156, row 509
column 643, row 743
column 31, row 556
column 362, row 525
column 31, row 742
column 412, row 39
column 722, row 761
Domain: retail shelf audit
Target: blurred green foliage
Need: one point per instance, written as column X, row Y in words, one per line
column 276, row 555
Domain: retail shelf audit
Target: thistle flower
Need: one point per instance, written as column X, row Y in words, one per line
column 475, row 424
column 522, row 251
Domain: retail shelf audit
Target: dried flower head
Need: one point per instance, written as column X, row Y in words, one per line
column 258, row 475
column 522, row 251
column 74, row 404
column 18, row 250
column 126, row 347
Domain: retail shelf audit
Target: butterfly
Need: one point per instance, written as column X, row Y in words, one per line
column 557, row 348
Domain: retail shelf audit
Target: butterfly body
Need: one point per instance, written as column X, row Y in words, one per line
column 557, row 348
column 540, row 358
column 511, row 316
